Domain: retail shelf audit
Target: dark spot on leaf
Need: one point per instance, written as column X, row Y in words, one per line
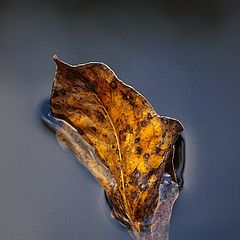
column 122, row 136
column 100, row 116
column 113, row 84
column 93, row 129
column 137, row 140
column 129, row 95
column 146, row 156
column 157, row 150
column 117, row 151
column 124, row 95
column 143, row 123
column 149, row 116
column 129, row 128
column 138, row 150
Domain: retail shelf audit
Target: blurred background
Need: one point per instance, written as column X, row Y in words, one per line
column 182, row 55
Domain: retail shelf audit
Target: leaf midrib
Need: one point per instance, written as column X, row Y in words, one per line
column 120, row 156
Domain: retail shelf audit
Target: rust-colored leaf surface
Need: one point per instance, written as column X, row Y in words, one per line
column 117, row 135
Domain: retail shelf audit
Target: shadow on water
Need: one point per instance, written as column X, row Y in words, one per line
column 47, row 119
column 179, row 160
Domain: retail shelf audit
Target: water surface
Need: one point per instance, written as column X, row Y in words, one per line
column 183, row 57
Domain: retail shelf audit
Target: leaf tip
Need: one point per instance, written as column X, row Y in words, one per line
column 58, row 62
column 55, row 58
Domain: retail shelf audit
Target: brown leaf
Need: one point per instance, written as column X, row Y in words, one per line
column 129, row 143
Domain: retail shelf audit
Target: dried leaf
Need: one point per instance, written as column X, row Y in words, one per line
column 117, row 135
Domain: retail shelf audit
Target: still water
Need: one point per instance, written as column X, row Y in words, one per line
column 183, row 57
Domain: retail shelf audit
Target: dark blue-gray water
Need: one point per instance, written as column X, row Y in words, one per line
column 183, row 56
